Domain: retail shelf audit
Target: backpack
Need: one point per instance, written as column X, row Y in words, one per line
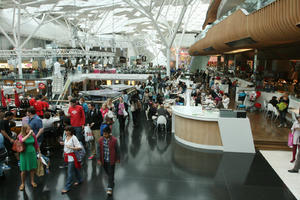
column 281, row 106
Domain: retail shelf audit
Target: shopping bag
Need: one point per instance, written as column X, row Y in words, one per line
column 40, row 168
column 125, row 113
column 290, row 140
column 88, row 135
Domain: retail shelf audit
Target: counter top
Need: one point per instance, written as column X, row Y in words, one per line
column 196, row 113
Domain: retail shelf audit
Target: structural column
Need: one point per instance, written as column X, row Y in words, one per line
column 177, row 57
column 168, row 61
column 19, row 50
column 255, row 62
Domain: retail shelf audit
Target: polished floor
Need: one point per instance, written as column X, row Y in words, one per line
column 156, row 167
column 280, row 162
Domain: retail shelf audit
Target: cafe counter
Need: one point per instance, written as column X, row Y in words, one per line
column 205, row 129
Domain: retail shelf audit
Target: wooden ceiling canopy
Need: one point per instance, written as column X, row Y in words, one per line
column 212, row 12
column 274, row 24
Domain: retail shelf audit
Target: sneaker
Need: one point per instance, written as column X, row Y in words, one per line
column 280, row 125
column 91, row 157
column 293, row 171
column 63, row 166
column 109, row 192
column 6, row 167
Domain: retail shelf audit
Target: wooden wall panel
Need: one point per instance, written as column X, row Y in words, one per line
column 271, row 25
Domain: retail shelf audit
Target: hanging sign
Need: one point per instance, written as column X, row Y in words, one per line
column 19, row 85
column 42, row 86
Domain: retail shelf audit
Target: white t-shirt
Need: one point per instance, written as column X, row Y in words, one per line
column 226, row 102
column 73, row 142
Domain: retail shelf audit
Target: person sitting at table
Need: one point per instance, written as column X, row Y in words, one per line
column 197, row 97
column 179, row 101
column 225, row 101
column 152, row 110
column 209, row 100
column 283, row 109
column 163, row 111
column 274, row 101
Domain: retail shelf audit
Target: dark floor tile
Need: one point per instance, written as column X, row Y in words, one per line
column 156, row 167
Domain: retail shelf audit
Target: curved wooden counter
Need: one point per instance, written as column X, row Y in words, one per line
column 197, row 128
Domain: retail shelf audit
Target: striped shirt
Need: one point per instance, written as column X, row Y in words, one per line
column 106, row 150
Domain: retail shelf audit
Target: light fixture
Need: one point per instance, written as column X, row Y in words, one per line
column 238, row 51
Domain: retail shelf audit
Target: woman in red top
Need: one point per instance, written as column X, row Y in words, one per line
column 104, row 110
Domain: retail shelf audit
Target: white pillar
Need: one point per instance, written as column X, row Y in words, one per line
column 19, row 50
column 177, row 58
column 255, row 62
column 168, row 61
column 19, row 62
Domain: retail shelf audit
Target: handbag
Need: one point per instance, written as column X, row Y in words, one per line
column 3, row 154
column 125, row 113
column 18, row 146
column 290, row 139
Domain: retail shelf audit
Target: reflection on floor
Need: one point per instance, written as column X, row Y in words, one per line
column 280, row 162
column 156, row 167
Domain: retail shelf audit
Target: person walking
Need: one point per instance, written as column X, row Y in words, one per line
column 36, row 125
column 3, row 154
column 108, row 155
column 71, row 144
column 6, row 133
column 28, row 160
column 94, row 121
column 296, row 130
column 77, row 118
column 121, row 110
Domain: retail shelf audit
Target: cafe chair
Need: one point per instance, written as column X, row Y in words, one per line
column 270, row 109
column 265, row 107
column 294, row 117
column 275, row 113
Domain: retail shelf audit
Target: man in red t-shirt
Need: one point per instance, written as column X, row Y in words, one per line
column 77, row 118
column 39, row 107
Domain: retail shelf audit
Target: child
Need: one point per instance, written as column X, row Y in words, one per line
column 108, row 155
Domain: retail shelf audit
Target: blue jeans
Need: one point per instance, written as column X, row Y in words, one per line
column 72, row 171
column 1, row 170
column 78, row 134
column 40, row 139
